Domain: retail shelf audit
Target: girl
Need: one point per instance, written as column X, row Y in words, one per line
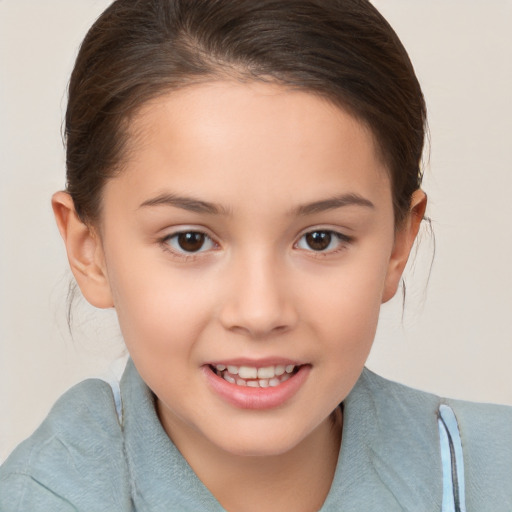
column 243, row 187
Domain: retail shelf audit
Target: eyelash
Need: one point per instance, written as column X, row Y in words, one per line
column 179, row 252
column 339, row 239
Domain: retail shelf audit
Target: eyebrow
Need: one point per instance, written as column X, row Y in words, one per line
column 199, row 206
column 333, row 203
column 186, row 203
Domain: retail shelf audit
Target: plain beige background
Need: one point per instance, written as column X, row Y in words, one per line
column 455, row 338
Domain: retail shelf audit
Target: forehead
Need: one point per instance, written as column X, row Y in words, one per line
column 222, row 137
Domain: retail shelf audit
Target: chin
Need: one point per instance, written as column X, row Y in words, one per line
column 263, row 443
column 261, row 449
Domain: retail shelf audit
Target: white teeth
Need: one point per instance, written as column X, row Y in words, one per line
column 268, row 372
column 264, row 377
column 229, row 379
column 248, row 372
column 251, row 372
column 257, row 383
column 279, row 370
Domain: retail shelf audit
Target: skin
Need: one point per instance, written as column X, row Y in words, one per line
column 255, row 290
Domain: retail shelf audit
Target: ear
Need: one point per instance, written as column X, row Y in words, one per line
column 404, row 239
column 85, row 252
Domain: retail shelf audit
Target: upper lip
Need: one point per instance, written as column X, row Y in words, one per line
column 256, row 363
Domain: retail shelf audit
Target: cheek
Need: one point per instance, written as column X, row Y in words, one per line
column 348, row 297
column 159, row 311
column 349, row 327
column 349, row 331
column 344, row 309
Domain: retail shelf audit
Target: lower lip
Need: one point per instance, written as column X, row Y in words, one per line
column 245, row 397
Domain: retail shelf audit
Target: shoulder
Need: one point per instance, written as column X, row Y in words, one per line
column 390, row 456
column 480, row 424
column 396, row 407
column 481, row 416
column 58, row 466
column 485, row 434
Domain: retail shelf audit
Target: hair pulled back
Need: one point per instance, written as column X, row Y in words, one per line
column 343, row 50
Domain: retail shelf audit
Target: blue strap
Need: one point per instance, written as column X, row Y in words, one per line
column 116, row 391
column 452, row 460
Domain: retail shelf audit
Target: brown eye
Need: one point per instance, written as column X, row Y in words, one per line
column 190, row 242
column 323, row 240
column 318, row 240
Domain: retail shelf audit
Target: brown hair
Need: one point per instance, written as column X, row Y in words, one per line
column 343, row 50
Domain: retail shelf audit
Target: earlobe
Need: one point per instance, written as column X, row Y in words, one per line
column 404, row 240
column 84, row 250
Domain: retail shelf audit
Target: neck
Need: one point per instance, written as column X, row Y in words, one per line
column 298, row 479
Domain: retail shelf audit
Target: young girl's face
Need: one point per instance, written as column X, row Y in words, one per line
column 250, row 233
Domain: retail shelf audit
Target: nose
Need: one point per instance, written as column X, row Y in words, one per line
column 258, row 301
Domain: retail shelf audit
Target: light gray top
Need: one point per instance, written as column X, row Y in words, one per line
column 82, row 458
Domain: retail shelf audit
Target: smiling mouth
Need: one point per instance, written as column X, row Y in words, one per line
column 250, row 376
